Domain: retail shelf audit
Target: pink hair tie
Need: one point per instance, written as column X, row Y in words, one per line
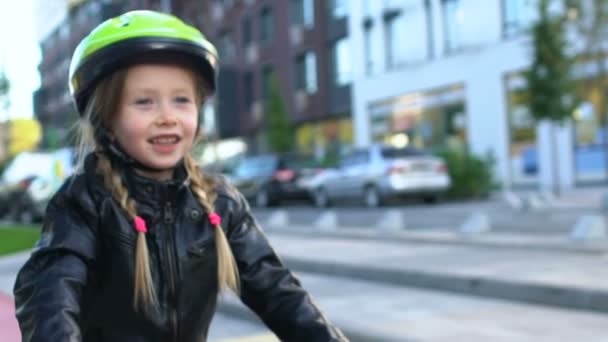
column 140, row 225
column 215, row 219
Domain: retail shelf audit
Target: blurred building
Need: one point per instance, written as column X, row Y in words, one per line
column 52, row 102
column 448, row 73
column 305, row 42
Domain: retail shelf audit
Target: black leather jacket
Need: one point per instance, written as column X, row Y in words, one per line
column 78, row 283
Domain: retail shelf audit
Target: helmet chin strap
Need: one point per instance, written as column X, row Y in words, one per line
column 116, row 153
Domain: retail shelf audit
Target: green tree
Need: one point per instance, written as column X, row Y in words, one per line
column 278, row 129
column 550, row 84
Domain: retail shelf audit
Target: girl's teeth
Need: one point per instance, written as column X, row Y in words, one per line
column 164, row 140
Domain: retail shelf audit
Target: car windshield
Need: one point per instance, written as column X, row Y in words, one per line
column 299, row 162
column 394, row 153
column 256, row 166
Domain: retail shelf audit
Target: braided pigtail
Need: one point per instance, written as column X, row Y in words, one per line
column 144, row 293
column 227, row 274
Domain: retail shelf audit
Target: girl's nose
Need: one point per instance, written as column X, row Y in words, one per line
column 166, row 116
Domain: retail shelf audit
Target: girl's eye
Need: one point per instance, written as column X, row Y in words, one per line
column 182, row 99
column 143, row 102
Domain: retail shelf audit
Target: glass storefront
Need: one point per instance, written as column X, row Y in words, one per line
column 590, row 134
column 326, row 139
column 428, row 120
column 591, row 143
column 523, row 155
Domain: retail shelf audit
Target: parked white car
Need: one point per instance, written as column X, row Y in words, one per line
column 30, row 181
column 377, row 172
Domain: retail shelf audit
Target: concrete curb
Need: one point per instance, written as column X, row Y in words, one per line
column 354, row 334
column 551, row 295
column 487, row 241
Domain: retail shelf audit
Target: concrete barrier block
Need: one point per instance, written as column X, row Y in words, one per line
column 589, row 227
column 278, row 219
column 535, row 201
column 513, row 200
column 476, row 223
column 328, row 220
column 548, row 198
column 392, row 220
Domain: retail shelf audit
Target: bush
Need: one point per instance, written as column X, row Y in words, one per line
column 471, row 175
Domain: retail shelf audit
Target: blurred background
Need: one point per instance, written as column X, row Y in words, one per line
column 445, row 160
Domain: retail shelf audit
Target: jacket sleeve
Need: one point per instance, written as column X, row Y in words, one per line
column 270, row 289
column 49, row 287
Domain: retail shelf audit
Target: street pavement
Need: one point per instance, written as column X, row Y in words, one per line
column 368, row 311
column 225, row 328
column 575, row 280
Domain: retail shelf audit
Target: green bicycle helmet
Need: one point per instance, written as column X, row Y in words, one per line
column 121, row 41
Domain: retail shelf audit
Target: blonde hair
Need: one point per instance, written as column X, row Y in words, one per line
column 100, row 110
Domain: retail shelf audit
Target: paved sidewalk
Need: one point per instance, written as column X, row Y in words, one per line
column 552, row 278
column 537, row 242
column 9, row 327
column 9, row 265
column 369, row 312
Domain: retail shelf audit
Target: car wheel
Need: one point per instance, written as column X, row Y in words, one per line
column 371, row 197
column 431, row 199
column 320, row 198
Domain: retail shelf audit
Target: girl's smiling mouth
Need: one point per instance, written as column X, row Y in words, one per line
column 165, row 139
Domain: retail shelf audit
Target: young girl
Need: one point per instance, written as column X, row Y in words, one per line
column 137, row 246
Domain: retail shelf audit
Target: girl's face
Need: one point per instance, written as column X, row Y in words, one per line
column 157, row 116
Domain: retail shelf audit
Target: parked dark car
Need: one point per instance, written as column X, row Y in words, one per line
column 13, row 196
column 266, row 180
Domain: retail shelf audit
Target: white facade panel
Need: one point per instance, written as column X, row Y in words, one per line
column 480, row 64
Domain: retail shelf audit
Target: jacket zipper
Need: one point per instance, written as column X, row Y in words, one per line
column 168, row 218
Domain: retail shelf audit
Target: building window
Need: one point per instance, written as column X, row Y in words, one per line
column 395, row 34
column 338, row 8
column 303, row 13
column 468, row 23
column 372, row 50
column 453, row 21
column 367, row 7
column 267, row 72
column 248, row 90
column 429, row 27
column 401, row 45
column 518, row 16
column 227, row 47
column 266, row 25
column 393, row 3
column 225, row 3
column 246, row 31
column 306, row 72
column 341, row 61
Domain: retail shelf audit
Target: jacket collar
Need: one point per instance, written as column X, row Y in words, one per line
column 145, row 190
